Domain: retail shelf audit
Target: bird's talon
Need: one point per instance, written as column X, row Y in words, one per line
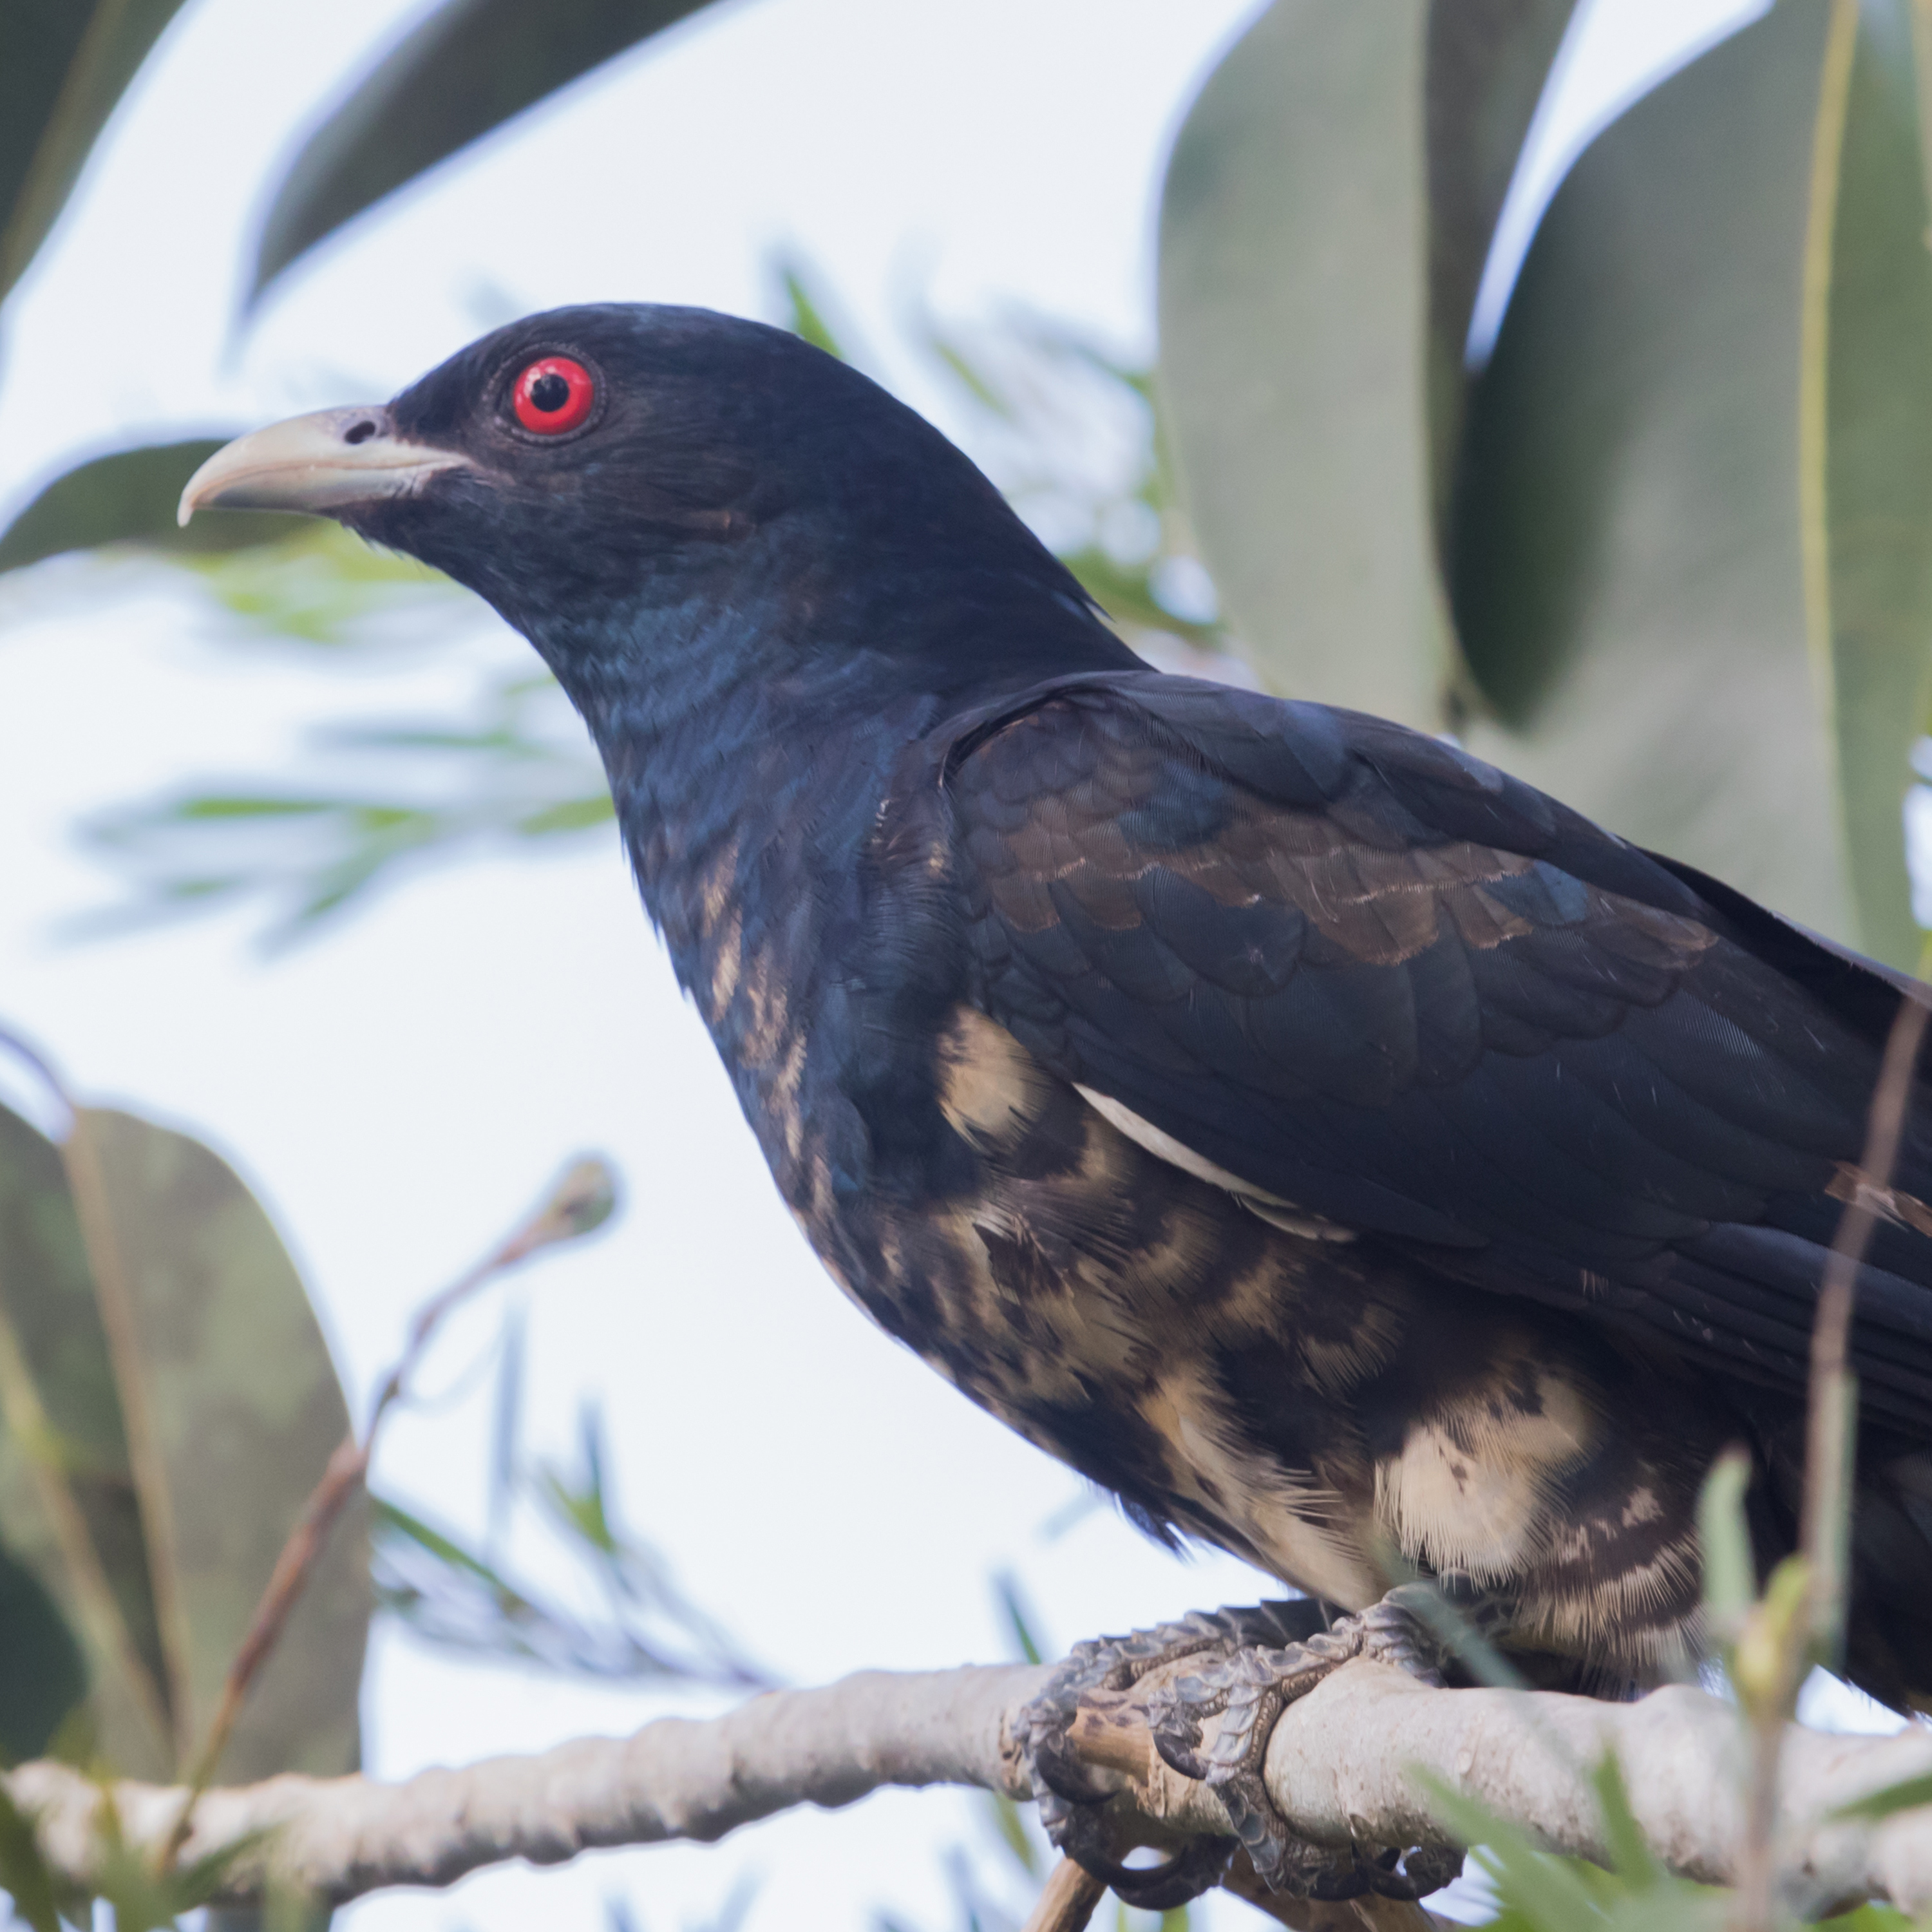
column 1072, row 1791
column 1236, row 1670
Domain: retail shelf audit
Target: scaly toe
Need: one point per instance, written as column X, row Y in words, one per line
column 1071, row 1792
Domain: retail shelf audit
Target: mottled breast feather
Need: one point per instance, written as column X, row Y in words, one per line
column 1308, row 1404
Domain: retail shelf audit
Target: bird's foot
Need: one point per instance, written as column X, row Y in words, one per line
column 1247, row 1688
column 1243, row 1668
column 1108, row 1672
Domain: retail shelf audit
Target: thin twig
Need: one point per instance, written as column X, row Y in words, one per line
column 582, row 1199
column 1067, row 1901
column 1828, row 1445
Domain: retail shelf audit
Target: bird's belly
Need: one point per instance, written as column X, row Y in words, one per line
column 1330, row 1411
column 1169, row 1347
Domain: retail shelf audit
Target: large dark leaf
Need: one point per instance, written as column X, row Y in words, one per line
column 1710, row 410
column 469, row 67
column 68, row 1517
column 66, row 64
column 1488, row 62
column 233, row 1410
column 1324, row 225
column 1874, row 477
column 168, row 1402
column 131, row 497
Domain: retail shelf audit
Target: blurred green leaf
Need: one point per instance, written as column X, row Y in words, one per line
column 43, row 1678
column 67, row 64
column 1730, row 1572
column 452, row 1596
column 1907, row 1795
column 68, row 1512
column 1486, row 65
column 1631, row 569
column 569, row 815
column 233, row 1411
column 1013, row 1834
column 1019, row 1621
column 1122, row 533
column 168, row 1403
column 311, row 579
column 525, row 771
column 1869, row 459
column 32, row 1897
column 472, row 65
column 130, row 497
column 1324, row 224
column 804, row 310
column 1538, row 1891
column 1630, row 1856
column 144, row 1900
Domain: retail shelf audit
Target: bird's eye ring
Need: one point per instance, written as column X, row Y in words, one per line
column 553, row 394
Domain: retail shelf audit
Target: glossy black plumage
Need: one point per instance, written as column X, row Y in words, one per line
column 1322, row 1140
column 1376, row 978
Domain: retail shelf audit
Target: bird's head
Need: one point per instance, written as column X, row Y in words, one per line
column 621, row 479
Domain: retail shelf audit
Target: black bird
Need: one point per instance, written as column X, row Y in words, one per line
column 1342, row 1152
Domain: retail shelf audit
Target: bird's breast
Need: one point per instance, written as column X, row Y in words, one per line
column 1311, row 1404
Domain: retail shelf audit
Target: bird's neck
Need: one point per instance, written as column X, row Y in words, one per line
column 721, row 781
column 761, row 732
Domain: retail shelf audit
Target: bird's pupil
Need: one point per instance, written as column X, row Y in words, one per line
column 550, row 392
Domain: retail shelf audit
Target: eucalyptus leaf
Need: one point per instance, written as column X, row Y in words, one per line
column 233, row 1410
column 129, row 497
column 1910, row 1794
column 44, row 1677
column 1629, row 574
column 472, row 65
column 32, row 1894
column 69, row 1518
column 1872, row 613
column 1324, row 225
column 67, row 64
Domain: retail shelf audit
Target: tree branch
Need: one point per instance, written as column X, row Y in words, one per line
column 1339, row 1764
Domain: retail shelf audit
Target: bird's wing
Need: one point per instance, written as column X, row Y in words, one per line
column 1384, row 991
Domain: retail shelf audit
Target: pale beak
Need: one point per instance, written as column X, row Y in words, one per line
column 321, row 463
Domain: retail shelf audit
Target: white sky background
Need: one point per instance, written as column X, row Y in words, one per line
column 398, row 1090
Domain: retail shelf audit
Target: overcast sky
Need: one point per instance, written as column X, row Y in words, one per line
column 398, row 1090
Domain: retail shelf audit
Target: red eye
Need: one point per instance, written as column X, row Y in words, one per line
column 553, row 394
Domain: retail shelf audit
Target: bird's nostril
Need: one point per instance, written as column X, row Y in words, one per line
column 359, row 432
